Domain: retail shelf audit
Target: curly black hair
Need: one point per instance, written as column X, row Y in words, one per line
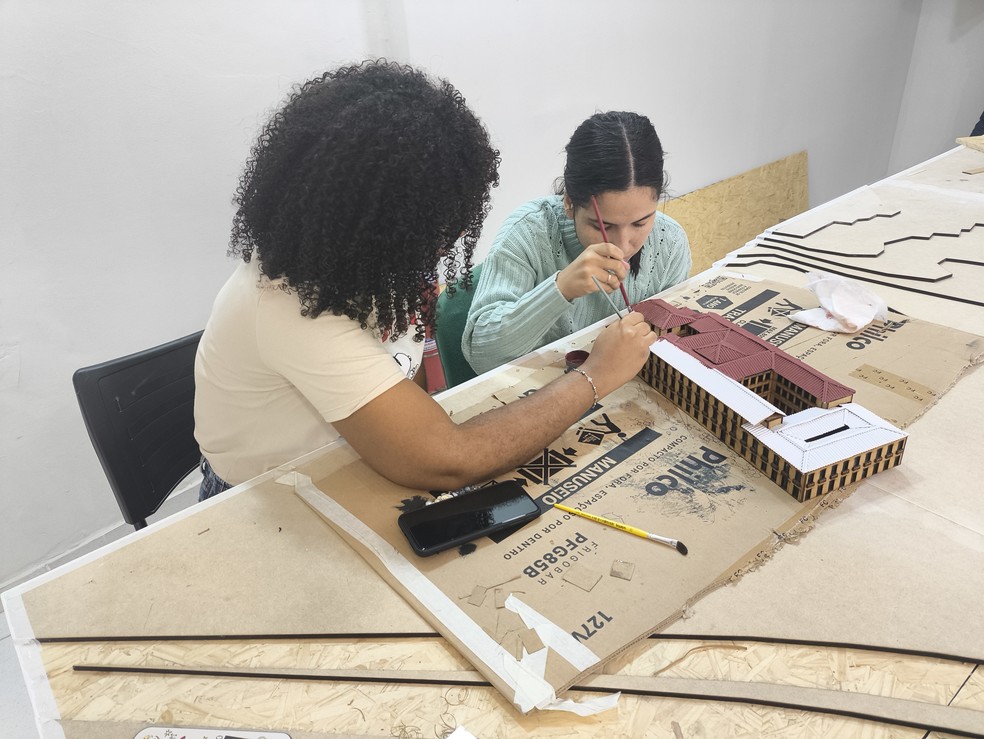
column 359, row 187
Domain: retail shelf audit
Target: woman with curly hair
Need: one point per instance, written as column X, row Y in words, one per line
column 536, row 284
column 360, row 187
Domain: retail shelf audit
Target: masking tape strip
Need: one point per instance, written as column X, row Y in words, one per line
column 531, row 690
column 46, row 713
column 586, row 707
column 552, row 635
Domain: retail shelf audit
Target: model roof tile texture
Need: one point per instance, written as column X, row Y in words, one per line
column 735, row 352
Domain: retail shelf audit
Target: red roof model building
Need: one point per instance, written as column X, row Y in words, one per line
column 730, row 349
column 792, row 422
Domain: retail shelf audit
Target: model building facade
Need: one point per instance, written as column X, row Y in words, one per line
column 793, row 423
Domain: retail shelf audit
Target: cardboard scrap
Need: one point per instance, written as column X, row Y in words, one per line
column 622, row 570
column 583, row 577
column 477, row 595
column 531, row 641
column 512, row 644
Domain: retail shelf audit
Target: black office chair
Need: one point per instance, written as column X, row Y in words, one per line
column 139, row 412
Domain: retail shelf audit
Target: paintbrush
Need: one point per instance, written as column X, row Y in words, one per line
column 678, row 545
column 601, row 226
column 607, row 297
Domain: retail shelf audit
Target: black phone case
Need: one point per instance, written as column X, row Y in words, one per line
column 475, row 503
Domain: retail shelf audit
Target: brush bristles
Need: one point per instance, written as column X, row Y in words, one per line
column 682, row 548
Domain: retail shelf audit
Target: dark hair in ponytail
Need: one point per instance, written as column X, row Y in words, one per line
column 610, row 151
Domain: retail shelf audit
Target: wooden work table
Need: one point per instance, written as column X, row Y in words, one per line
column 323, row 647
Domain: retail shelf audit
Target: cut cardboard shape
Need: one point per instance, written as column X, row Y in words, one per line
column 960, row 315
column 622, row 570
column 883, row 214
column 962, row 721
column 583, row 577
column 330, row 707
column 960, row 287
column 901, row 235
column 948, row 171
column 856, row 574
column 922, row 260
column 270, row 539
column 178, row 581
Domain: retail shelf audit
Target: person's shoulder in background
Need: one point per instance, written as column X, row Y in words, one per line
column 979, row 128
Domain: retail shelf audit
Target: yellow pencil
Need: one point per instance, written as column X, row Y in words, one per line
column 678, row 545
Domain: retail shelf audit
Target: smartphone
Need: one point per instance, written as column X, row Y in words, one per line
column 450, row 523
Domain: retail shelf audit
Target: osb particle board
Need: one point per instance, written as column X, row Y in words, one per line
column 972, row 142
column 864, row 679
column 726, row 214
column 971, row 694
column 131, row 729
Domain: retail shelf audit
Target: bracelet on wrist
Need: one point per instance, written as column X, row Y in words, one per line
column 586, row 376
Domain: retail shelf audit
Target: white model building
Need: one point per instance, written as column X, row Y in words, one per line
column 792, row 422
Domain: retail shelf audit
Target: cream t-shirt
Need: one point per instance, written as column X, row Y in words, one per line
column 269, row 382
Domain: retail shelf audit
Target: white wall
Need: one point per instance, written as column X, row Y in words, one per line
column 944, row 91
column 123, row 128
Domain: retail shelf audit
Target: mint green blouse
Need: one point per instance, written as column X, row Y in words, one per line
column 517, row 306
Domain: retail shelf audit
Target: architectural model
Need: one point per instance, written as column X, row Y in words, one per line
column 793, row 423
column 908, row 235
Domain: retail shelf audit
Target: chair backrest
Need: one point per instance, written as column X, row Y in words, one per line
column 139, row 412
column 452, row 313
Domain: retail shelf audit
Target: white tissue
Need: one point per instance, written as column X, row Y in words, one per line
column 845, row 305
